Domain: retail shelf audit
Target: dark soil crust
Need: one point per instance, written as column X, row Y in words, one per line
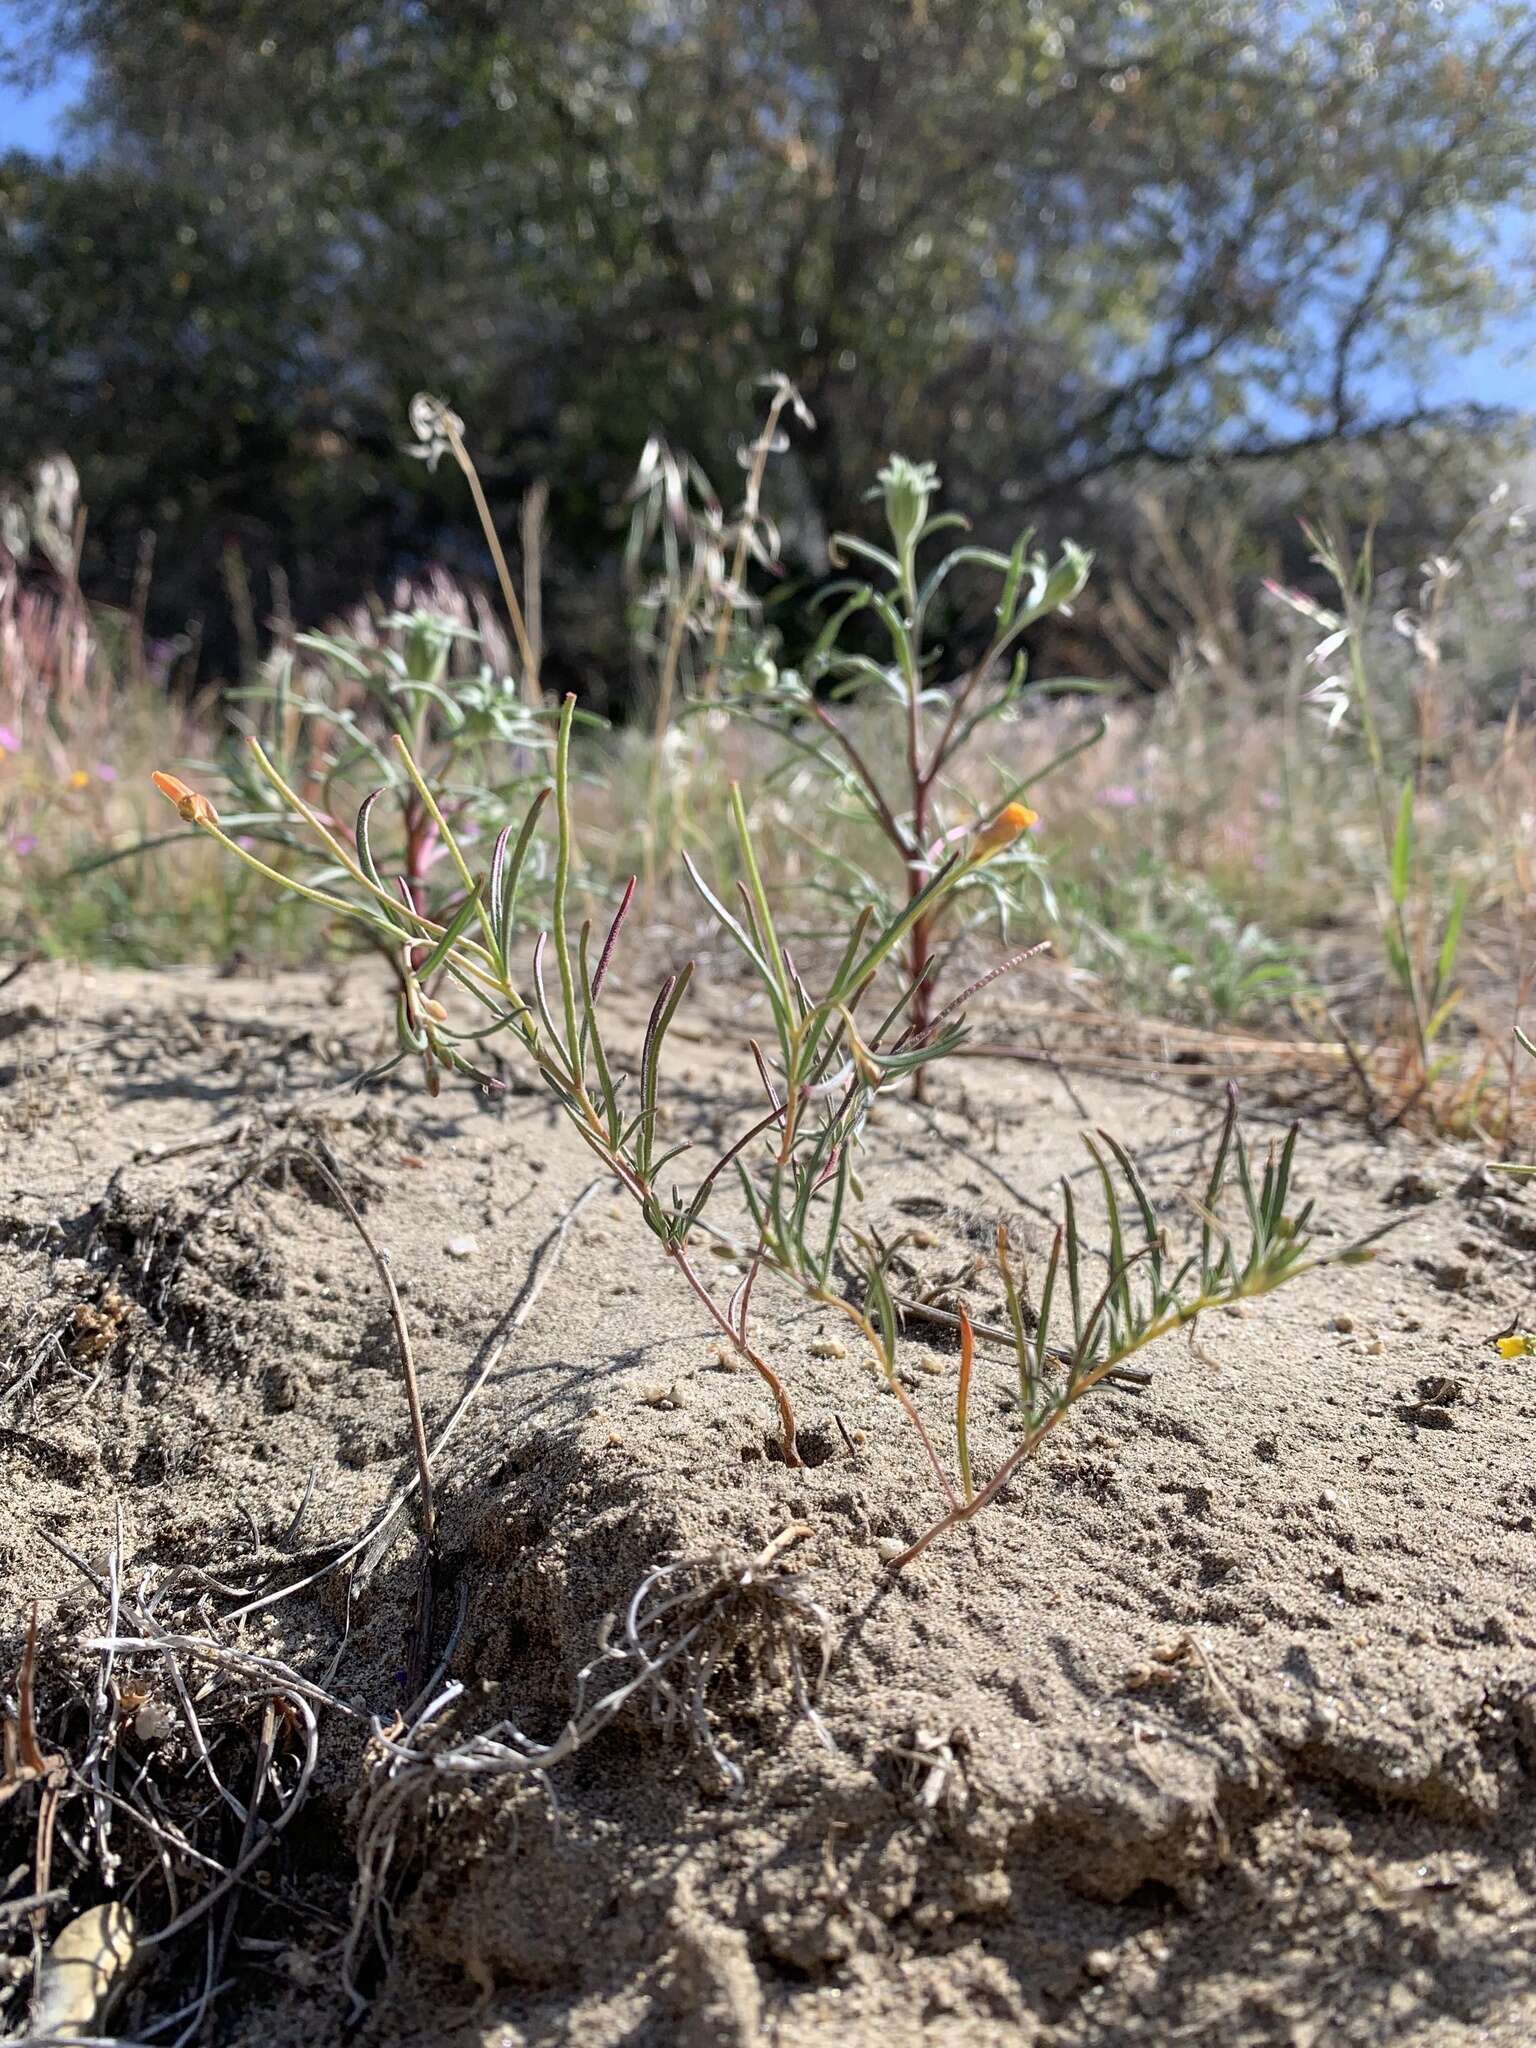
column 1221, row 1726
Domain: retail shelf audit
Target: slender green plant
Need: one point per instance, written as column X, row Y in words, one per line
column 1514, row 1342
column 1145, row 1296
column 794, row 1169
column 919, row 809
column 794, row 1166
column 1421, row 925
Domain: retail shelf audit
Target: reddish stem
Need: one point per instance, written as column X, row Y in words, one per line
column 920, row 939
column 760, row 1366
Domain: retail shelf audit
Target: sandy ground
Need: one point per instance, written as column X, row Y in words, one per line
column 1219, row 1727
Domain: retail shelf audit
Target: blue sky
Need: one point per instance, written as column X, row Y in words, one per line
column 1501, row 372
column 33, row 120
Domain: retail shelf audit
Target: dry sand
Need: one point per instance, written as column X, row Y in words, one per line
column 1219, row 1728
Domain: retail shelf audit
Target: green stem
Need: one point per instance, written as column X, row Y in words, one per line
column 454, row 854
column 562, row 878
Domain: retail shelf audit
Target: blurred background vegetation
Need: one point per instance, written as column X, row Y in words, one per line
column 1221, row 250
column 1156, row 278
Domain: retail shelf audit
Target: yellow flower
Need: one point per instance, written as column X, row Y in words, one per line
column 79, row 780
column 192, row 804
column 1010, row 821
column 1516, row 1347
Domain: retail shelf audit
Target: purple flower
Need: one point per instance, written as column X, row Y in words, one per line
column 1120, row 796
column 9, row 741
column 23, row 844
column 105, row 772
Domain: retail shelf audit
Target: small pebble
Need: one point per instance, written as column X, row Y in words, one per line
column 1099, row 1963
column 152, row 1723
column 888, row 1548
column 1328, row 1499
column 1343, row 1324
column 462, row 1247
column 928, row 1363
column 828, row 1347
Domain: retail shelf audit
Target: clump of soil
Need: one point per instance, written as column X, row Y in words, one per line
column 1220, row 1726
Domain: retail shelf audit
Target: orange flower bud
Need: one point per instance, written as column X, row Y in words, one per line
column 434, row 1009
column 192, row 804
column 1010, row 821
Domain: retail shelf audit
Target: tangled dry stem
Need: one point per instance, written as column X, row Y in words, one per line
column 687, row 1620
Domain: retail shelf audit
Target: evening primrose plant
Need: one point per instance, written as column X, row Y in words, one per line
column 780, row 1201
column 826, row 1066
column 920, row 810
column 1089, row 1321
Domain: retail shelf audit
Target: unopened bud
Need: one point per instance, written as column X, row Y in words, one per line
column 192, row 804
column 1010, row 822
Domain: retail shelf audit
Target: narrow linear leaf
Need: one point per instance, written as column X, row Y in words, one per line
column 1402, row 845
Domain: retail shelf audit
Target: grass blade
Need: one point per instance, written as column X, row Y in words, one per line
column 963, row 1404
column 1402, row 845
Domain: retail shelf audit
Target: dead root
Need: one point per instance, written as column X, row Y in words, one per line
column 686, row 1623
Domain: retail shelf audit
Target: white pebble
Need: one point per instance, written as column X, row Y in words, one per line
column 152, row 1723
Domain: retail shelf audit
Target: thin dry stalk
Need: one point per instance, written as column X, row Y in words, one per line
column 377, row 1537
column 380, row 1257
column 535, row 507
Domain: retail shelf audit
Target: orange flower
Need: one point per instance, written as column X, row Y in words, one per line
column 79, row 780
column 1010, row 821
column 192, row 804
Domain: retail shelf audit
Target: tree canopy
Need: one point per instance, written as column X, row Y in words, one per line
column 1040, row 243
